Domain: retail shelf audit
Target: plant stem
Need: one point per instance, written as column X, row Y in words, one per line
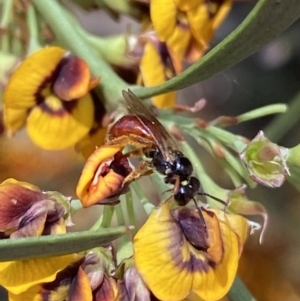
column 262, row 111
column 205, row 180
column 32, row 24
column 239, row 291
column 111, row 83
column 148, row 207
column 130, row 210
column 235, row 142
column 7, row 7
column 105, row 220
column 120, row 215
column 281, row 124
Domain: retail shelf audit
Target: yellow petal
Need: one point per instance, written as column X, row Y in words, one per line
column 239, row 225
column 201, row 24
column 155, row 76
column 221, row 13
column 14, row 119
column 81, row 288
column 89, row 190
column 58, row 227
column 162, row 257
column 53, row 127
column 27, row 78
column 21, row 183
column 179, row 42
column 214, row 283
column 185, row 5
column 172, row 267
column 32, row 294
column 19, row 276
column 88, row 144
column 163, row 16
column 195, row 51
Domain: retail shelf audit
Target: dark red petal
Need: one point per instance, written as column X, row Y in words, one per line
column 15, row 200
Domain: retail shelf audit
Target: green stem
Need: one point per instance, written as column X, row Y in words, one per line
column 111, row 83
column 294, row 156
column 159, row 183
column 235, row 142
column 148, row 207
column 130, row 210
column 124, row 243
column 262, row 111
column 7, row 7
column 239, row 291
column 105, row 220
column 32, row 24
column 17, row 47
column 205, row 180
column 120, row 215
column 281, row 124
column 75, row 207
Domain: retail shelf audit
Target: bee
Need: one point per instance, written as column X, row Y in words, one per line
column 146, row 133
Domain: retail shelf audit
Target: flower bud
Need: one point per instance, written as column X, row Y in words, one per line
column 266, row 161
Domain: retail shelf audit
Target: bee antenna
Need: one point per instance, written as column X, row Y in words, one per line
column 214, row 198
column 200, row 213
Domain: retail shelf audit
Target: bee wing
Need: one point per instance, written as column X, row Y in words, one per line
column 162, row 138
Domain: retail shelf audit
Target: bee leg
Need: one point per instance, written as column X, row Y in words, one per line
column 216, row 199
column 139, row 172
column 135, row 153
column 176, row 185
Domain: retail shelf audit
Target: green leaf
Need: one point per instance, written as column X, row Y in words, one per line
column 55, row 245
column 266, row 21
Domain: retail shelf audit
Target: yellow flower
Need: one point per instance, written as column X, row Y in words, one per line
column 176, row 254
column 156, row 67
column 48, row 93
column 187, row 26
column 102, row 176
column 27, row 211
column 182, row 32
column 70, row 277
column 30, row 280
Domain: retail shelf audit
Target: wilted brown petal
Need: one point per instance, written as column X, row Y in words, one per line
column 15, row 200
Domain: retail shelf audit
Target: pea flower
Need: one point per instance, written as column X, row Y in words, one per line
column 177, row 254
column 48, row 93
column 131, row 285
column 156, row 53
column 40, row 278
column 266, row 161
column 70, row 277
column 27, row 211
column 187, row 26
column 103, row 176
column 182, row 32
